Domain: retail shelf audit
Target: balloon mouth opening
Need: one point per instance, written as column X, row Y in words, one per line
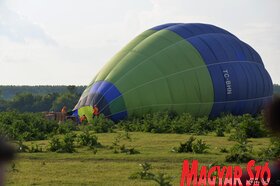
column 102, row 104
column 107, row 98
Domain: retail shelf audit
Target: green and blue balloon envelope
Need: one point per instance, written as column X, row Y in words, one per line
column 196, row 68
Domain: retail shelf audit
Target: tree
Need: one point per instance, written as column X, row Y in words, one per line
column 69, row 100
column 72, row 89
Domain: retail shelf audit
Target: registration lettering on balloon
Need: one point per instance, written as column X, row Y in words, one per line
column 227, row 81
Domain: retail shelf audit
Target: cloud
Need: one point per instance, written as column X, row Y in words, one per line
column 18, row 28
column 90, row 32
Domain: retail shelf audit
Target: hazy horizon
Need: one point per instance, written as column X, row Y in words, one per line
column 67, row 42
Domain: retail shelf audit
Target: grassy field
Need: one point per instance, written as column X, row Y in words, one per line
column 106, row 168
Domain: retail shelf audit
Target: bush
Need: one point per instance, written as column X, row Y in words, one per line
column 55, row 144
column 182, row 124
column 26, row 126
column 200, row 147
column 66, row 145
column 250, row 126
column 66, row 127
column 159, row 122
column 127, row 136
column 144, row 173
column 220, row 132
column 168, row 122
column 88, row 139
column 242, row 151
column 225, row 123
column 202, row 126
column 190, row 146
column 35, row 148
column 122, row 148
column 102, row 125
column 132, row 124
column 272, row 152
column 163, row 180
column 185, row 147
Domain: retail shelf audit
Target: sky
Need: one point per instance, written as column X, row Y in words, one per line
column 62, row 42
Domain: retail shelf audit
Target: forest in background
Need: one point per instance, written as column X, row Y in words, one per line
column 39, row 98
column 276, row 89
column 8, row 92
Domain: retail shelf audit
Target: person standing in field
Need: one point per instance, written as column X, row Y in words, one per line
column 83, row 120
column 95, row 111
column 64, row 110
column 63, row 114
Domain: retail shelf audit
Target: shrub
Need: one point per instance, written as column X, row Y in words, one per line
column 127, row 125
column 202, row 126
column 66, row 127
column 144, row 173
column 122, row 148
column 250, row 126
column 26, row 126
column 158, row 122
column 162, row 179
column 185, row 147
column 102, row 125
column 115, row 143
column 220, row 132
column 240, row 152
column 182, row 124
column 170, row 122
column 35, row 148
column 239, row 157
column 190, row 145
column 200, row 147
column 68, row 145
column 88, row 139
column 225, row 123
column 272, row 152
column 55, row 144
column 127, row 136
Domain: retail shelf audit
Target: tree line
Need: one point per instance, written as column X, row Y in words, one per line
column 31, row 100
column 276, row 89
column 9, row 91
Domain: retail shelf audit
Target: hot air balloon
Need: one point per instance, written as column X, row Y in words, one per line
column 196, row 68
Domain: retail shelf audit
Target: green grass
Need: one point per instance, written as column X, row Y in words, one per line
column 106, row 168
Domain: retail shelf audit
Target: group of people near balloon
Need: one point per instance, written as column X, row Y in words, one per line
column 95, row 112
column 81, row 120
